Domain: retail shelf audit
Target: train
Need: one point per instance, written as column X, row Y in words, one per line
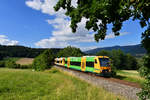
column 99, row 65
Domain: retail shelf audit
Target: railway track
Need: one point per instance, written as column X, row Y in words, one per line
column 117, row 86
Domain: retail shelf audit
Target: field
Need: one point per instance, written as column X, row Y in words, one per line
column 17, row 84
column 52, row 84
column 130, row 75
column 25, row 61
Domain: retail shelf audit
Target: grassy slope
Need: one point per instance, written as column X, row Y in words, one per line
column 130, row 75
column 49, row 85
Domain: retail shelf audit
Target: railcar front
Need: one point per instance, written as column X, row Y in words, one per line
column 96, row 64
column 102, row 65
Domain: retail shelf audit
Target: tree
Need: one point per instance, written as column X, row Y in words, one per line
column 113, row 12
column 120, row 60
column 1, row 56
column 115, row 55
column 43, row 61
column 103, row 53
column 131, row 62
column 11, row 64
column 70, row 51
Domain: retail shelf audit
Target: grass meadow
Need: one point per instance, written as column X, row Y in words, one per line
column 17, row 84
column 130, row 75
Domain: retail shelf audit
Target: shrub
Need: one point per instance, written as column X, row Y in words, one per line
column 145, row 72
column 2, row 64
column 113, row 69
column 11, row 64
column 25, row 67
column 43, row 61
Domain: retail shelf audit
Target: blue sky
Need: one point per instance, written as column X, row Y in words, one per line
column 34, row 23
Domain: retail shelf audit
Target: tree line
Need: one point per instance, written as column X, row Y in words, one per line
column 120, row 60
column 21, row 51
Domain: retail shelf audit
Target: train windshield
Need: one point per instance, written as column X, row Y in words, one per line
column 104, row 62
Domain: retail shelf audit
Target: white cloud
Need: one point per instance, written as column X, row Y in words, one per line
column 5, row 41
column 2, row 36
column 88, row 48
column 35, row 4
column 62, row 35
column 46, row 6
column 111, row 35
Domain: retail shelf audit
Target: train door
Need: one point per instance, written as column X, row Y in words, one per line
column 96, row 66
column 68, row 62
column 83, row 64
column 63, row 61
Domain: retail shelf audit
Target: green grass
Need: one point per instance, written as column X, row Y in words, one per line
column 130, row 75
column 52, row 84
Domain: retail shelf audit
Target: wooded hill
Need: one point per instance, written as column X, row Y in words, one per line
column 135, row 50
column 21, row 51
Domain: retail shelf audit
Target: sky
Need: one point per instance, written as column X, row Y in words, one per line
column 34, row 23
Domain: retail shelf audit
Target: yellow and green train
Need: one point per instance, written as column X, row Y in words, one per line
column 94, row 64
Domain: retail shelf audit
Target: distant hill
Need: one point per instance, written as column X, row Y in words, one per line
column 21, row 51
column 135, row 50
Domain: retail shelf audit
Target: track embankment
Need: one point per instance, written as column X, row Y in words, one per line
column 116, row 86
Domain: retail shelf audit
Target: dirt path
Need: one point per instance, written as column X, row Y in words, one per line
column 25, row 61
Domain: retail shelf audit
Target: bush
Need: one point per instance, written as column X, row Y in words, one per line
column 113, row 69
column 144, row 71
column 11, row 64
column 25, row 67
column 43, row 61
column 2, row 64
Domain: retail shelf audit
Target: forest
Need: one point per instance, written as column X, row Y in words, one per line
column 21, row 51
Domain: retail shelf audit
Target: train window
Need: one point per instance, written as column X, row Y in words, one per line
column 65, row 62
column 90, row 64
column 75, row 63
column 95, row 61
column 104, row 62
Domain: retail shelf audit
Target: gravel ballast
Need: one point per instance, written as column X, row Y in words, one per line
column 114, row 87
